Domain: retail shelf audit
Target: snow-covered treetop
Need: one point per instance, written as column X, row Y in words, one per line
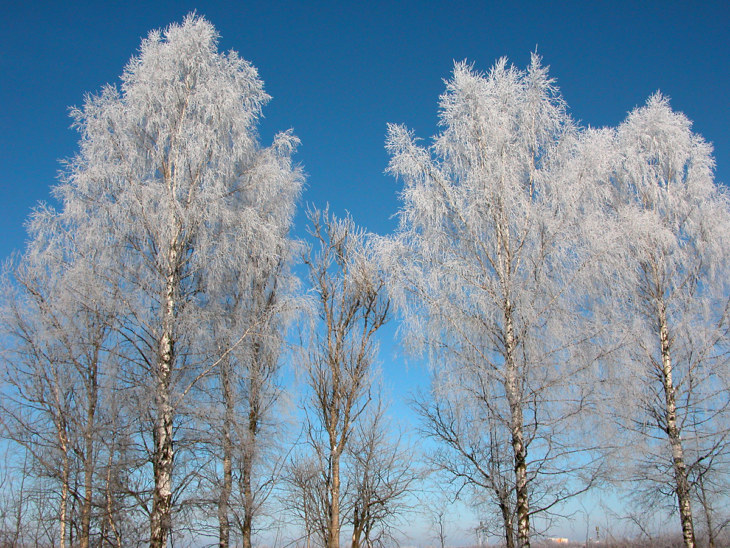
column 674, row 216
column 171, row 157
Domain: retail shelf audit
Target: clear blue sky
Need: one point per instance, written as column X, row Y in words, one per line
column 339, row 71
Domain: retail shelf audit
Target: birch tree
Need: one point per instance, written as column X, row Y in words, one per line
column 165, row 190
column 486, row 261
column 669, row 300
column 244, row 429
column 56, row 369
column 350, row 306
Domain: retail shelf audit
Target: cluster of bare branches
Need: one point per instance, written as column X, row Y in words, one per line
column 351, row 465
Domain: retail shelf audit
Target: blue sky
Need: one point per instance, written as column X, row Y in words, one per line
column 339, row 71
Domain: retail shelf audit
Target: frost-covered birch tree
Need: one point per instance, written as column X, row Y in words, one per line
column 166, row 191
column 57, row 368
column 485, row 265
column 255, row 304
column 668, row 287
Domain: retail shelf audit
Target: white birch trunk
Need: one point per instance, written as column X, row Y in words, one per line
column 160, row 519
column 223, row 521
column 63, row 443
column 89, row 462
column 514, row 397
column 63, row 510
column 680, row 468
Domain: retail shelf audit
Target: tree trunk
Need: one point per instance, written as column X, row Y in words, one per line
column 357, row 524
column 19, row 514
column 162, row 459
column 224, row 527
column 513, row 391
column 86, row 505
column 520, row 460
column 249, row 453
column 442, row 532
column 63, row 510
column 333, row 533
column 160, row 519
column 63, row 443
column 89, row 461
column 109, row 496
column 248, row 510
column 509, row 534
column 707, row 508
column 680, row 469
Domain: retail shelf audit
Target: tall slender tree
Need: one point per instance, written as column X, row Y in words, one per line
column 486, row 261
column 166, row 190
column 668, row 302
column 350, row 306
column 257, row 306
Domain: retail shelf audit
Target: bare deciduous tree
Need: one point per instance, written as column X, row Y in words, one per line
column 305, row 497
column 382, row 474
column 472, row 450
column 350, row 306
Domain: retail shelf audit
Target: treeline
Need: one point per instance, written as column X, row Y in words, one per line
column 569, row 287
